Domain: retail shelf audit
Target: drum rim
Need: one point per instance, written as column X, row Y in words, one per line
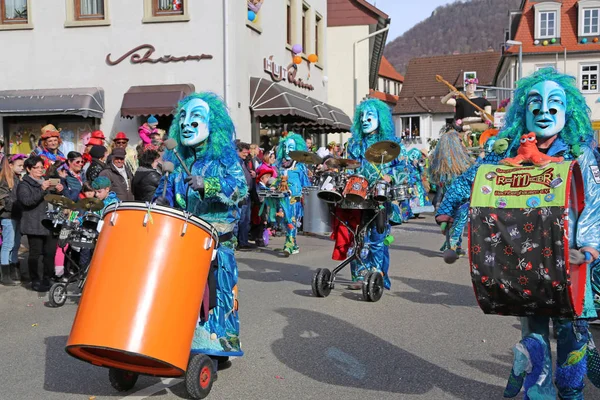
column 170, row 211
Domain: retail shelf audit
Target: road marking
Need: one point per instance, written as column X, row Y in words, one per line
column 150, row 390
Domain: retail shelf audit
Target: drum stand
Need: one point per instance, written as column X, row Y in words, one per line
column 372, row 284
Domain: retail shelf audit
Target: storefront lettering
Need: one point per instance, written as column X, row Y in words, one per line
column 279, row 73
column 145, row 58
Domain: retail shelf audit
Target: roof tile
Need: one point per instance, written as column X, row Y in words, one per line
column 387, row 70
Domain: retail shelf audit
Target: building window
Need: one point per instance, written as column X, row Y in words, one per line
column 589, row 78
column 304, row 30
column 547, row 24
column 317, row 35
column 166, row 11
column 89, row 9
column 13, row 11
column 289, row 23
column 590, row 21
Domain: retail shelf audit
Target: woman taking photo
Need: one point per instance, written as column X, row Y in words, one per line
column 10, row 216
column 30, row 194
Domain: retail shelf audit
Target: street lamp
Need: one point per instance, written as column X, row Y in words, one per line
column 520, row 44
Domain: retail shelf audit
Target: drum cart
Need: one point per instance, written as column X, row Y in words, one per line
column 372, row 286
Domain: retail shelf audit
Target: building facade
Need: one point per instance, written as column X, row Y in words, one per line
column 564, row 35
column 94, row 64
column 389, row 84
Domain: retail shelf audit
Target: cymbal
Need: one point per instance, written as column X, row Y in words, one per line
column 92, row 204
column 386, row 148
column 305, row 157
column 342, row 163
column 60, row 201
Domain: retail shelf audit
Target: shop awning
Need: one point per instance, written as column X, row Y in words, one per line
column 275, row 104
column 153, row 100
column 86, row 102
column 269, row 101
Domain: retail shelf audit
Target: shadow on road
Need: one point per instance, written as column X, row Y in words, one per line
column 65, row 374
column 436, row 292
column 420, row 250
column 335, row 352
column 275, row 271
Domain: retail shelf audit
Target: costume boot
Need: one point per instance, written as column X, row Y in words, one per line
column 15, row 272
column 5, row 280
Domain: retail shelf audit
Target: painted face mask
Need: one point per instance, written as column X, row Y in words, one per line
column 290, row 145
column 546, row 109
column 369, row 120
column 193, row 120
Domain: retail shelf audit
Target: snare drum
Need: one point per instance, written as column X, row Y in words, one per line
column 90, row 221
column 356, row 189
column 399, row 192
column 381, row 191
column 329, row 188
column 141, row 318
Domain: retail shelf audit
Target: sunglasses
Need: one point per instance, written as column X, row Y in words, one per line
column 120, row 141
column 80, row 162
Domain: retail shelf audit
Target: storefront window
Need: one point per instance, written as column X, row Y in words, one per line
column 13, row 11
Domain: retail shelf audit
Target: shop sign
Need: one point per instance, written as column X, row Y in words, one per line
column 280, row 73
column 136, row 57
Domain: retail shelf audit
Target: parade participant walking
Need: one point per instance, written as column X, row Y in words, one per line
column 419, row 202
column 50, row 142
column 550, row 105
column 372, row 123
column 297, row 178
column 120, row 175
column 204, row 133
column 30, row 194
column 10, row 214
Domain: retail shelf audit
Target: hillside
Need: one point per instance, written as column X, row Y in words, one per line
column 464, row 27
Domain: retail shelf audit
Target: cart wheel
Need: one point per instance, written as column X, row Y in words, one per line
column 373, row 286
column 57, row 295
column 200, row 376
column 122, row 380
column 320, row 283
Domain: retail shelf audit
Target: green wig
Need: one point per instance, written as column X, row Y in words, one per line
column 300, row 145
column 220, row 142
column 577, row 130
column 385, row 130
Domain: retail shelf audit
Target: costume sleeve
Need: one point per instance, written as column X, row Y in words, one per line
column 232, row 186
column 588, row 223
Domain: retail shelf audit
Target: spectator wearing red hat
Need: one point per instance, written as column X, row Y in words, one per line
column 121, row 140
column 261, row 209
column 48, row 150
column 97, row 139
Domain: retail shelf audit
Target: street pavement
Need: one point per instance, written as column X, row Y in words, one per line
column 425, row 339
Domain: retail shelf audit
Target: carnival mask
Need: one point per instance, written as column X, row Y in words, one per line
column 369, row 120
column 193, row 120
column 546, row 109
column 290, row 145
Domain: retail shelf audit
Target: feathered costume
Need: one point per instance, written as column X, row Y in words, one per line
column 216, row 160
column 449, row 160
column 378, row 257
column 419, row 202
column 297, row 178
column 573, row 142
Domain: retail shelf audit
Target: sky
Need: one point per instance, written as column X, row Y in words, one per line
column 406, row 13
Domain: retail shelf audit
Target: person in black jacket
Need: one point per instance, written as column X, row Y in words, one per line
column 146, row 178
column 99, row 155
column 30, row 195
column 10, row 215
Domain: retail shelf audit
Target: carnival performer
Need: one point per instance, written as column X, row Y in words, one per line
column 48, row 150
column 204, row 133
column 419, row 202
column 550, row 105
column 297, row 179
column 372, row 123
column 449, row 160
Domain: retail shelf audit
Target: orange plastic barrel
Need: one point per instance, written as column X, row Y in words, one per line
column 142, row 296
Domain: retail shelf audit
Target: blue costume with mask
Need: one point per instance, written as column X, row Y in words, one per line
column 297, row 176
column 419, row 203
column 549, row 104
column 372, row 123
column 204, row 133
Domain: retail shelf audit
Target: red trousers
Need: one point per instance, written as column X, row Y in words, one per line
column 342, row 236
